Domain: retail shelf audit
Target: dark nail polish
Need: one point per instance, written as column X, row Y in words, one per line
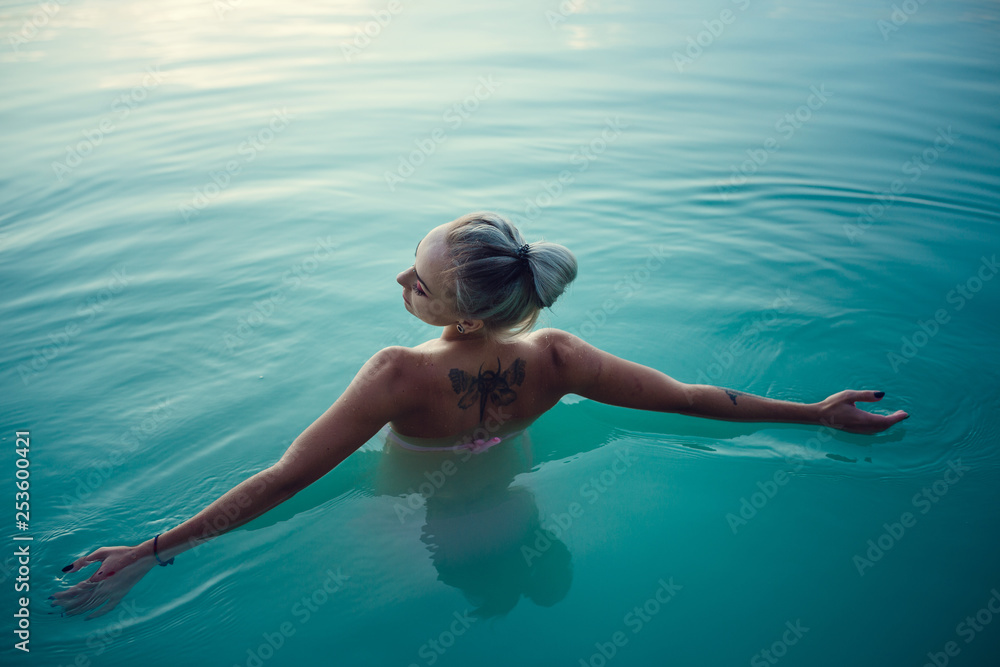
column 879, row 394
column 68, row 567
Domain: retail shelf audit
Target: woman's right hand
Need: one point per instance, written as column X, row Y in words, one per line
column 121, row 568
column 838, row 411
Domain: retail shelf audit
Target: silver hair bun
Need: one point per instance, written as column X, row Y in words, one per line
column 499, row 278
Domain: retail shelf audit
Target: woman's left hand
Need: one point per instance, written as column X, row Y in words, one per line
column 121, row 568
column 838, row 411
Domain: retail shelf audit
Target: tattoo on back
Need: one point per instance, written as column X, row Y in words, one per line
column 489, row 385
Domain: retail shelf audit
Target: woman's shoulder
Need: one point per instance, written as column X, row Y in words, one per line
column 549, row 346
column 392, row 360
column 406, row 365
column 389, row 365
column 555, row 336
column 562, row 346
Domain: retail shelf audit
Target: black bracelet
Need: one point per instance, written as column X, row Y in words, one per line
column 169, row 562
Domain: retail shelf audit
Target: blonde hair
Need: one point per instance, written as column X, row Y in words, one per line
column 498, row 278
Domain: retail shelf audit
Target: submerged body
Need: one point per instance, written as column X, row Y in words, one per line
column 482, row 382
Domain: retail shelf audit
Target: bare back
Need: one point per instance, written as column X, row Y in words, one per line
column 459, row 386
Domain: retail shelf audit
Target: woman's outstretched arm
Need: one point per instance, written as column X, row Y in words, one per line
column 373, row 398
column 600, row 376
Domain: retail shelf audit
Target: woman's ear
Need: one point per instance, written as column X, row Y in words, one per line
column 471, row 325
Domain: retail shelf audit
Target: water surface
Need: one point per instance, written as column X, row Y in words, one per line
column 202, row 210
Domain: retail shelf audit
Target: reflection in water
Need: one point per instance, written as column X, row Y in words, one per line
column 495, row 551
column 483, row 528
column 483, row 531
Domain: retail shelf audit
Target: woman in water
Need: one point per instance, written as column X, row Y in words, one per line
column 481, row 383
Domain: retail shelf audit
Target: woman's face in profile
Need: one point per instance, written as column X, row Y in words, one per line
column 424, row 292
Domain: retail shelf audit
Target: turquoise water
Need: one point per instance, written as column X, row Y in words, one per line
column 204, row 206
